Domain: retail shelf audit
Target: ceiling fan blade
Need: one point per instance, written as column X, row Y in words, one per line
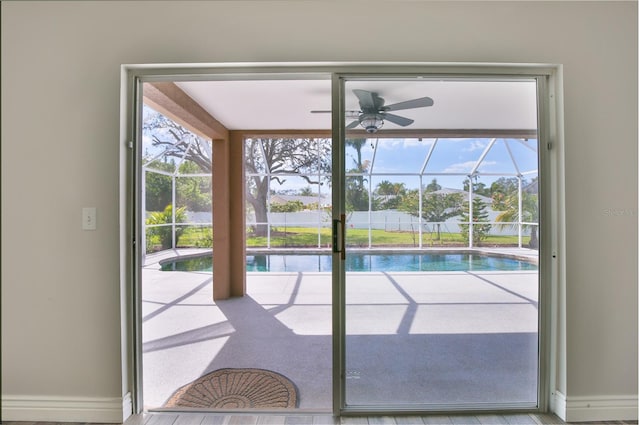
column 397, row 119
column 367, row 100
column 352, row 114
column 353, row 124
column 410, row 104
column 348, row 114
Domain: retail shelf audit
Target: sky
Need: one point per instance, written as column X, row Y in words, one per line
column 457, row 157
column 450, row 156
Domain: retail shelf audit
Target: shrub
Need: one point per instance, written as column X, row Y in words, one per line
column 166, row 217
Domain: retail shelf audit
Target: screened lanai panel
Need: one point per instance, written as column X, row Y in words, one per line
column 456, row 155
column 322, row 166
column 509, row 156
column 299, row 213
column 168, row 146
column 400, row 156
column 359, row 155
column 288, row 192
column 176, row 175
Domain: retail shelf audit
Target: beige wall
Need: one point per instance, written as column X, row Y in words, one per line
column 60, row 152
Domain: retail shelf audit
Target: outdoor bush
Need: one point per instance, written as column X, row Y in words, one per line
column 163, row 233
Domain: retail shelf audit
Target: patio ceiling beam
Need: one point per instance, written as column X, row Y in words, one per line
column 283, row 134
column 443, row 133
column 168, row 99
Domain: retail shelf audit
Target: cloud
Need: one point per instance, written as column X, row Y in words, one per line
column 466, row 167
column 475, row 146
column 460, row 167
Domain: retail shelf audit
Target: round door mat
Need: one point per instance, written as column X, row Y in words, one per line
column 237, row 389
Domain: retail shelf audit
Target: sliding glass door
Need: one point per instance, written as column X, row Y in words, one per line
column 428, row 189
column 438, row 282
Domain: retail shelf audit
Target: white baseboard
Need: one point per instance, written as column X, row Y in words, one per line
column 558, row 405
column 66, row 409
column 127, row 407
column 603, row 408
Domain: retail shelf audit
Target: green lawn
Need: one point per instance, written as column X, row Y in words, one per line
column 308, row 237
column 304, row 237
column 190, row 237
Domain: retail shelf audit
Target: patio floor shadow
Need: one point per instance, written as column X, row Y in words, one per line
column 428, row 337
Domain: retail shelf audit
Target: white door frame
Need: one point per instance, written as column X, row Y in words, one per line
column 552, row 278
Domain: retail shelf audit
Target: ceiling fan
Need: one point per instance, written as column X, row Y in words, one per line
column 373, row 112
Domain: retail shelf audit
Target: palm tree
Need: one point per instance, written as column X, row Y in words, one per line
column 529, row 214
column 162, row 230
column 390, row 194
column 357, row 196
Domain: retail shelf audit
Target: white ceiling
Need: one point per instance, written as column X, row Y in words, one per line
column 286, row 104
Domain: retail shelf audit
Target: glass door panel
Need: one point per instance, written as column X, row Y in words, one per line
column 441, row 278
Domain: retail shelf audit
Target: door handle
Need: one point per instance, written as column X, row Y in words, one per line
column 339, row 236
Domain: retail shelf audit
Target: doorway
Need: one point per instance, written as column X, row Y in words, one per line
column 386, row 211
column 277, row 327
column 438, row 282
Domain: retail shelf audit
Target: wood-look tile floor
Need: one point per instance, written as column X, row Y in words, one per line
column 313, row 419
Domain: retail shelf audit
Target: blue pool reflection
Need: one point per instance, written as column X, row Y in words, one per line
column 361, row 262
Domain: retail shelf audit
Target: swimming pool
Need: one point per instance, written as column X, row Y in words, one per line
column 360, row 262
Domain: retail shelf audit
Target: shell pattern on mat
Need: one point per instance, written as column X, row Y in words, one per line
column 237, row 389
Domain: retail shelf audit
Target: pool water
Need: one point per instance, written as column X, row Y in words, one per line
column 360, row 263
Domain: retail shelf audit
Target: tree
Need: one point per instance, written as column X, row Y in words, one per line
column 158, row 186
column 281, row 156
column 433, row 186
column 509, row 215
column 479, row 216
column 357, row 195
column 170, row 145
column 307, row 191
column 174, row 141
column 269, row 160
column 289, row 206
column 193, row 192
column 389, row 195
column 479, row 188
column 500, row 190
column 436, row 207
column 357, row 144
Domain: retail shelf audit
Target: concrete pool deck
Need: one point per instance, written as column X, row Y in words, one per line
column 412, row 337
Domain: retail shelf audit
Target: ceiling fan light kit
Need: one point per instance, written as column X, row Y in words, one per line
column 373, row 113
column 371, row 122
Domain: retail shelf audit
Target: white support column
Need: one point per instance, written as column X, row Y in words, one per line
column 173, row 211
column 420, row 212
column 268, row 223
column 373, row 161
column 519, row 211
column 319, row 207
column 470, row 211
column 370, row 205
column 143, row 212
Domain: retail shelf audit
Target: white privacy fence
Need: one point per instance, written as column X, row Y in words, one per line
column 389, row 221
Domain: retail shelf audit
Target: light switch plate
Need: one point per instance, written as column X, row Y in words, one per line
column 89, row 218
